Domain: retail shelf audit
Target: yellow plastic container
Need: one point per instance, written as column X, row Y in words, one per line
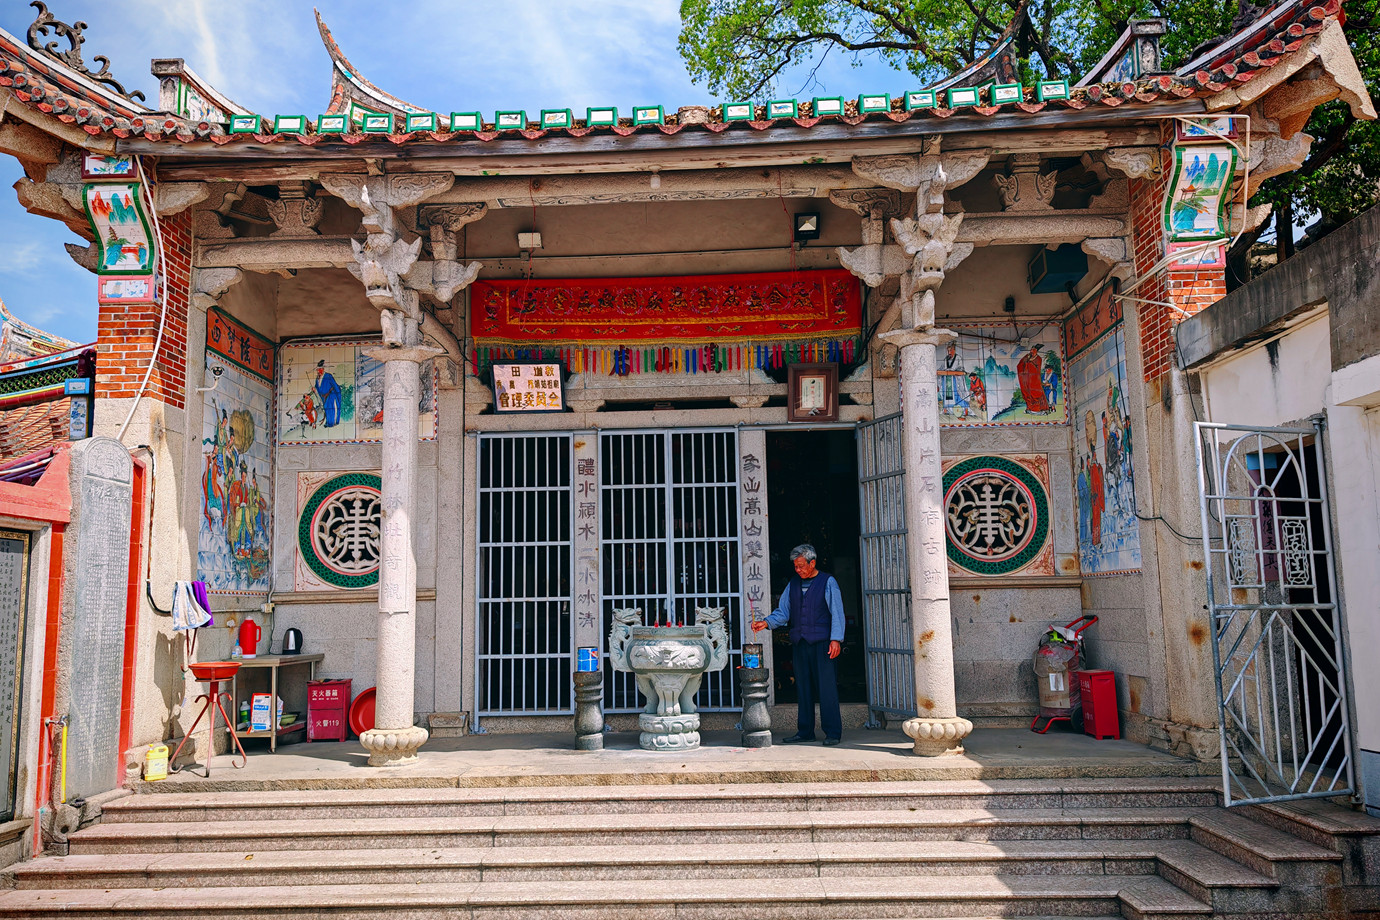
column 156, row 762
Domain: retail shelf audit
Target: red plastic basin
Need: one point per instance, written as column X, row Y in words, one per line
column 214, row 670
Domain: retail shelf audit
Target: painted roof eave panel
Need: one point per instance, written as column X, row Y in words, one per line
column 784, row 143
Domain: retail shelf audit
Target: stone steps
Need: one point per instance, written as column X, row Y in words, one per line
column 1134, row 896
column 1159, row 849
column 777, row 797
column 634, row 830
column 512, row 864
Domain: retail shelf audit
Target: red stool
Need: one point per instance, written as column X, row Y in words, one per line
column 212, row 673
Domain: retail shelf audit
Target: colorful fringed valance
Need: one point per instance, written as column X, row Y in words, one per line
column 765, row 309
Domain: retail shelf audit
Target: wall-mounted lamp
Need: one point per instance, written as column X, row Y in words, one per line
column 806, row 226
column 1010, row 305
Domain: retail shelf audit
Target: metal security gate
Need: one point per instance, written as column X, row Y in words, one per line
column 669, row 528
column 885, row 575
column 1276, row 638
column 525, row 571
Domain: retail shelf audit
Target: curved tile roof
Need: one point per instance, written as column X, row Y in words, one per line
column 45, row 84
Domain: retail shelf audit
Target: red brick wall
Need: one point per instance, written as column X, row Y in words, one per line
column 125, row 334
column 1191, row 291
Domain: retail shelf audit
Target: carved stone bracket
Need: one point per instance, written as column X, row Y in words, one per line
column 873, row 261
column 210, row 284
column 445, row 276
column 1024, row 187
column 1109, row 249
column 377, row 197
column 296, row 212
column 1135, row 162
column 171, row 198
column 211, row 221
column 386, row 262
column 876, row 205
column 929, row 174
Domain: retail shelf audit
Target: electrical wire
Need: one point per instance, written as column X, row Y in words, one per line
column 161, row 274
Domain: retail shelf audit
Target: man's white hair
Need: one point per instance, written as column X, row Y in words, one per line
column 804, row 551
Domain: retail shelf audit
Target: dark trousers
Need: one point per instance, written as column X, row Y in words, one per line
column 815, row 683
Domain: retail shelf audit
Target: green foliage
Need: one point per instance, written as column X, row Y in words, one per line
column 742, row 48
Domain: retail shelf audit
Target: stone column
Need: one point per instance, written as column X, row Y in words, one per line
column 937, row 729
column 394, row 739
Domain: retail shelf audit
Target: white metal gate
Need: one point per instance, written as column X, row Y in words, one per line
column 669, row 529
column 885, row 576
column 525, row 575
column 1276, row 637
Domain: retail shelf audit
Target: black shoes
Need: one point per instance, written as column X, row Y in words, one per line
column 830, row 742
column 797, row 738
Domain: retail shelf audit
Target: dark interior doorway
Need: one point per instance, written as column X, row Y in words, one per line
column 812, row 497
column 1317, row 675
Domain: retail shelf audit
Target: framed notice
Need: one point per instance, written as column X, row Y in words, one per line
column 812, row 393
column 528, row 386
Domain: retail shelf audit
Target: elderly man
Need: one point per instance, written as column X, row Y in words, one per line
column 813, row 605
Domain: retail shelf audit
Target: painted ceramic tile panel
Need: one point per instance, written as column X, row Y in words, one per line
column 108, row 166
column 331, row 392
column 1199, row 199
column 236, row 463
column 1108, row 529
column 987, row 378
column 116, row 212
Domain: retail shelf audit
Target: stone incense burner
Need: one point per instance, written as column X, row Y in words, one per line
column 669, row 663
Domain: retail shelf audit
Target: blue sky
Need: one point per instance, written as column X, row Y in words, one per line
column 461, row 55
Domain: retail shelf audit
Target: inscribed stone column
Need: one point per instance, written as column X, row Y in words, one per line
column 937, row 729
column 394, row 739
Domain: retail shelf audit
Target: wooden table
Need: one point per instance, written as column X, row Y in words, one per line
column 273, row 663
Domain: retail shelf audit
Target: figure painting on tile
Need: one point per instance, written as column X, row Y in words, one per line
column 989, row 376
column 1108, row 528
column 237, row 466
column 333, row 392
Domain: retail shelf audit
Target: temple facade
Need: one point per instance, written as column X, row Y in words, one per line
column 447, row 392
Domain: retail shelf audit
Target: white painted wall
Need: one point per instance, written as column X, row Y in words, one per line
column 1277, row 383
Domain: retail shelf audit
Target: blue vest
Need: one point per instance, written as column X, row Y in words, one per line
column 810, row 618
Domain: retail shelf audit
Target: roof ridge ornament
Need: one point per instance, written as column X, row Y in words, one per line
column 47, row 24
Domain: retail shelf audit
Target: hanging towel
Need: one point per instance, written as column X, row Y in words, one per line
column 188, row 612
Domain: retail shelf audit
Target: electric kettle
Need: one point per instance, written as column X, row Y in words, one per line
column 292, row 641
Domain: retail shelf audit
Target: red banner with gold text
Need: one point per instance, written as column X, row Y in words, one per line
column 763, row 307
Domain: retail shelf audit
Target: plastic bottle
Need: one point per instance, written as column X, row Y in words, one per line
column 244, row 712
column 236, row 653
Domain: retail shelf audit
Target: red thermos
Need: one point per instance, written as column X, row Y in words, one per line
column 249, row 637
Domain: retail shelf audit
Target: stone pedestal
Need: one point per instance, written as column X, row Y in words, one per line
column 394, row 739
column 756, row 718
column 937, row 730
column 589, row 710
